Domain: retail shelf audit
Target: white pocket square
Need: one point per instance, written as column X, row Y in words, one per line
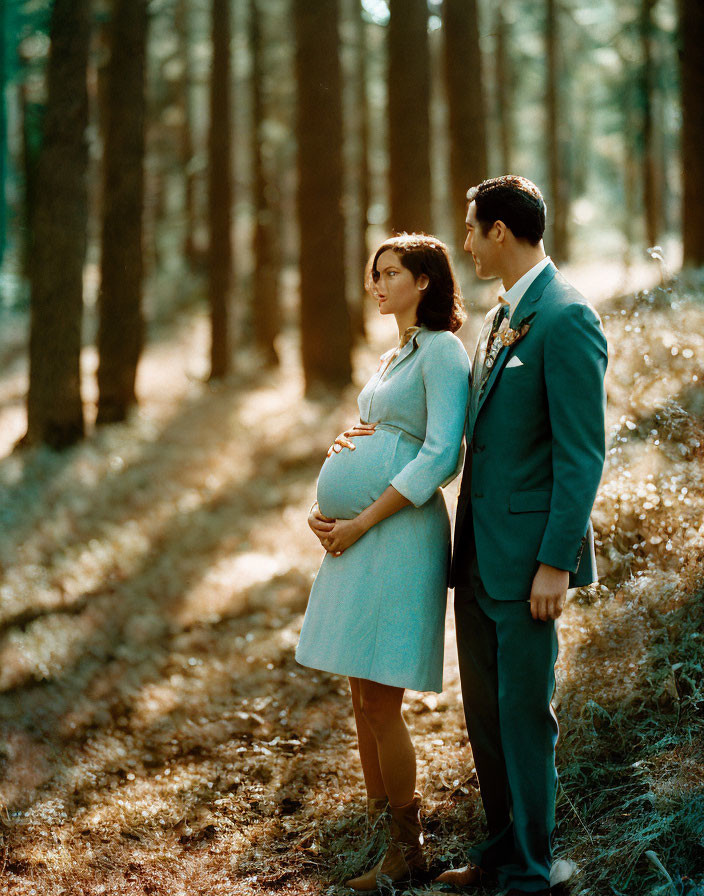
column 515, row 362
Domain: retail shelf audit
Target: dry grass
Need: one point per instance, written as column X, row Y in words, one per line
column 158, row 736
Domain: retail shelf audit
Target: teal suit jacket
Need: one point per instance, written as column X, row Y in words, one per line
column 536, row 439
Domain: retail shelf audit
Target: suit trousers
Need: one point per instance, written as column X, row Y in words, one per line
column 507, row 669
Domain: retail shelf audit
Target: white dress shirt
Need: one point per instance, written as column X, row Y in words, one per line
column 512, row 297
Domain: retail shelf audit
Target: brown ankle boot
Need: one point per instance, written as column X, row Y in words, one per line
column 404, row 855
column 377, row 807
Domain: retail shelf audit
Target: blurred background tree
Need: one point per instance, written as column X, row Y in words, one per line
column 220, row 251
column 326, row 335
column 235, row 162
column 3, row 126
column 651, row 180
column 692, row 63
column 557, row 128
column 121, row 323
column 265, row 288
column 58, row 237
column 359, row 180
column 504, row 69
column 409, row 116
column 183, row 98
column 464, row 83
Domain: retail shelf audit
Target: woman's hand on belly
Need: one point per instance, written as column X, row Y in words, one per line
column 343, row 535
column 320, row 525
column 343, row 440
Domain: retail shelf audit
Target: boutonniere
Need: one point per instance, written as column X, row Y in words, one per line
column 506, row 335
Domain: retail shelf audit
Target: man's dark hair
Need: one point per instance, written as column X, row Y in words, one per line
column 514, row 200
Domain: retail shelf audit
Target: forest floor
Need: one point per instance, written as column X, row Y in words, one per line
column 158, row 736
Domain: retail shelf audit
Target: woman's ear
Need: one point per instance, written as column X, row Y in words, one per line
column 422, row 282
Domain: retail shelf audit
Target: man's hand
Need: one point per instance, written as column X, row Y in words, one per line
column 343, row 440
column 321, row 525
column 547, row 596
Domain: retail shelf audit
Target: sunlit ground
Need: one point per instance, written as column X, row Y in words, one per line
column 159, row 736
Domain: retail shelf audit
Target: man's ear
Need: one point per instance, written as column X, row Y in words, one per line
column 422, row 282
column 499, row 229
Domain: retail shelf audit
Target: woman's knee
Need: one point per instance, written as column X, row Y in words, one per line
column 381, row 706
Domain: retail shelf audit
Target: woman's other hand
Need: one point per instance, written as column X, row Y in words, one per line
column 320, row 525
column 343, row 440
column 343, row 535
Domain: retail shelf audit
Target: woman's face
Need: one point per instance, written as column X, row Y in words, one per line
column 396, row 290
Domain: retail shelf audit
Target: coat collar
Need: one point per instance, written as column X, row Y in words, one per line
column 534, row 292
column 417, row 338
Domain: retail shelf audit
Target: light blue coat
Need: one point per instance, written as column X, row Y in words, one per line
column 423, row 393
column 378, row 611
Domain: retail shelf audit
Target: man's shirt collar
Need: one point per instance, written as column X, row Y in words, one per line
column 513, row 296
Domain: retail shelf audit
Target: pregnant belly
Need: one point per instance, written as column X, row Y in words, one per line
column 352, row 480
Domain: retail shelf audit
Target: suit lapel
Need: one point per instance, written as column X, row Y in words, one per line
column 533, row 293
column 486, row 387
column 479, row 371
column 531, row 296
column 480, row 352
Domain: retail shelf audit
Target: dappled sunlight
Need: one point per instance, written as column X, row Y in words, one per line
column 219, row 592
column 117, row 497
column 610, row 277
column 157, row 720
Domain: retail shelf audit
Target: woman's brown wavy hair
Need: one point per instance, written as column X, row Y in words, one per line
column 441, row 307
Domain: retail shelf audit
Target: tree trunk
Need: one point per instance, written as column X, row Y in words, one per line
column 54, row 407
column 363, row 174
column 692, row 64
column 32, row 124
column 121, row 324
column 220, row 191
column 649, row 172
column 183, row 30
column 3, row 135
column 467, row 108
column 630, row 176
column 409, row 120
column 583, row 143
column 558, row 207
column 325, row 322
column 265, row 293
column 504, row 90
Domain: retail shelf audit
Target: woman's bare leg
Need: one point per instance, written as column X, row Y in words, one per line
column 368, row 752
column 381, row 708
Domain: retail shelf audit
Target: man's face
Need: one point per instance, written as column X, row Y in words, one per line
column 483, row 248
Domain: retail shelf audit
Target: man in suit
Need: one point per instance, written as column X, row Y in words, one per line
column 536, row 445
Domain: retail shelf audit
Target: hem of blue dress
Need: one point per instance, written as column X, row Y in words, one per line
column 380, row 679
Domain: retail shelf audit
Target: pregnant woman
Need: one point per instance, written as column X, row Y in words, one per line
column 376, row 612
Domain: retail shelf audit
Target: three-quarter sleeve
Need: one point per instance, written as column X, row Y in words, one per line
column 445, row 369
